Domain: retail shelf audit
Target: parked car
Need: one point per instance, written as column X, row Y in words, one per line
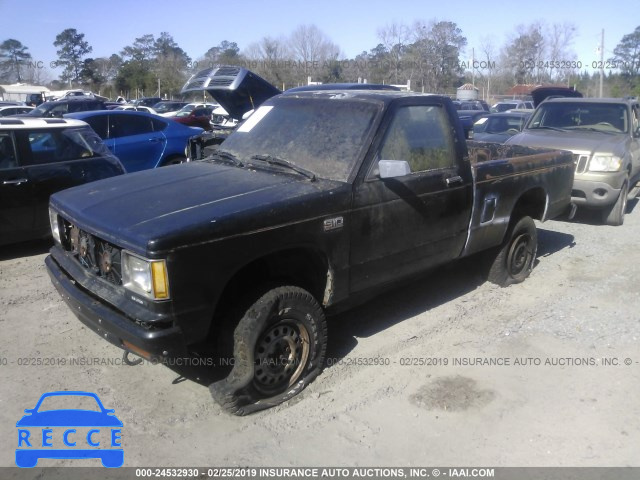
column 168, row 107
column 468, row 118
column 471, row 105
column 317, row 200
column 190, row 107
column 604, row 136
column 198, row 117
column 511, row 105
column 58, row 108
column 342, row 86
column 140, row 140
column 146, row 101
column 133, row 108
column 39, row 157
column 6, row 111
column 221, row 119
column 498, row 127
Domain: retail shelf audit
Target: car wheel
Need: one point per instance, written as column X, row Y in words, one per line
column 614, row 215
column 279, row 346
column 512, row 262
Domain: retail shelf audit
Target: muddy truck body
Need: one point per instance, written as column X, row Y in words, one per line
column 317, row 201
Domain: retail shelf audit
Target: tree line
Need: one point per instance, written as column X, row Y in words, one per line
column 428, row 56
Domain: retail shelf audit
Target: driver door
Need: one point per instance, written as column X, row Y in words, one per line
column 405, row 224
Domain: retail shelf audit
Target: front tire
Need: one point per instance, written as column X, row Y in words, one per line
column 614, row 215
column 279, row 346
column 513, row 260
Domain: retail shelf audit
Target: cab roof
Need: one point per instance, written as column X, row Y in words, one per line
column 22, row 123
column 622, row 101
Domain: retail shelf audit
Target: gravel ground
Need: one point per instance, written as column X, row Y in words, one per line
column 407, row 381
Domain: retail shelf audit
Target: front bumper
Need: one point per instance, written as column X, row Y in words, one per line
column 113, row 325
column 597, row 192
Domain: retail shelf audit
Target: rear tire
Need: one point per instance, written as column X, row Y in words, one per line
column 614, row 215
column 279, row 346
column 513, row 261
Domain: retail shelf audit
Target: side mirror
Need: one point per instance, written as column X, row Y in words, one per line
column 393, row 168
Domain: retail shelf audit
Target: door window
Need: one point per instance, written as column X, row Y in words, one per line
column 422, row 136
column 8, row 158
column 127, row 125
column 99, row 123
column 158, row 125
column 61, row 145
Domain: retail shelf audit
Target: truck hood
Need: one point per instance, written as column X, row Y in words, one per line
column 540, row 94
column 236, row 89
column 575, row 141
column 154, row 211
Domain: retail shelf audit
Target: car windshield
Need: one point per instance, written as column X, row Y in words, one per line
column 321, row 135
column 503, row 124
column 47, row 110
column 604, row 117
column 164, row 107
column 185, row 111
column 503, row 107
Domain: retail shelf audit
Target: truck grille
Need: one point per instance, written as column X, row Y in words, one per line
column 581, row 162
column 101, row 258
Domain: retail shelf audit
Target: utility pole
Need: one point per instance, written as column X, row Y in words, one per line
column 601, row 61
column 473, row 70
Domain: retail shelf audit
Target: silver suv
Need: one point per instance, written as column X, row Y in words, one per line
column 604, row 136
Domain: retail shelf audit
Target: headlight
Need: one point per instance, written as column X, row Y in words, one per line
column 605, row 163
column 55, row 227
column 145, row 277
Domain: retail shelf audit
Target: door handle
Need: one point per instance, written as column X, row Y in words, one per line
column 16, row 181
column 453, row 180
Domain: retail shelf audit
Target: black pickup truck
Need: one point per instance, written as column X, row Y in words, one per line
column 314, row 202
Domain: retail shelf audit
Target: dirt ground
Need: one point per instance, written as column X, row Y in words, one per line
column 448, row 370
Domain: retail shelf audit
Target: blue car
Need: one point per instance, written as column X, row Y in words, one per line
column 140, row 140
column 40, row 431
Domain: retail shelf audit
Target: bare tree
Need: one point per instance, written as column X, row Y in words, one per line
column 312, row 51
column 523, row 54
column 395, row 38
column 270, row 58
column 561, row 57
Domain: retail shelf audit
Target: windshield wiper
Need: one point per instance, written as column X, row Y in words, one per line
column 557, row 129
column 226, row 157
column 593, row 129
column 281, row 162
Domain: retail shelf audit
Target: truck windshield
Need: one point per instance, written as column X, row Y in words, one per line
column 322, row 135
column 605, row 117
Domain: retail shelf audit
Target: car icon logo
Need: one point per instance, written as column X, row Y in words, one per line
column 67, row 433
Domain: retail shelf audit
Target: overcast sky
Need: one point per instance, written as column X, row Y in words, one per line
column 111, row 25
